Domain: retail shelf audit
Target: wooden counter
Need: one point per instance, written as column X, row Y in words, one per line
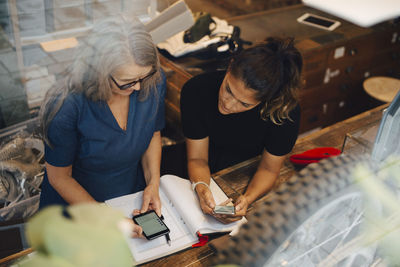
column 233, row 180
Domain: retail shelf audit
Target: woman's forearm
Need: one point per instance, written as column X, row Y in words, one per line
column 60, row 178
column 198, row 170
column 151, row 160
column 265, row 176
column 262, row 182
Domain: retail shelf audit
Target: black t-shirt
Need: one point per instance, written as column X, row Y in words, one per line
column 236, row 137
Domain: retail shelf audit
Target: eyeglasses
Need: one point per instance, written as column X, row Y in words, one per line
column 129, row 85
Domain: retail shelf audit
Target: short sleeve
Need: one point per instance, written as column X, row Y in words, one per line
column 63, row 136
column 192, row 112
column 160, row 116
column 281, row 138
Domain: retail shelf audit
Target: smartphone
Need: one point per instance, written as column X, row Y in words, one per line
column 319, row 22
column 153, row 226
column 227, row 210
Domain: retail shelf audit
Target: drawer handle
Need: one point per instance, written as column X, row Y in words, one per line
column 353, row 51
column 349, row 69
column 313, row 118
column 344, row 88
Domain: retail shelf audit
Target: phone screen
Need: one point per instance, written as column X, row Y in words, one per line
column 152, row 225
column 229, row 210
column 322, row 22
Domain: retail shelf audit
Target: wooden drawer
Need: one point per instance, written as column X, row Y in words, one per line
column 348, row 107
column 347, row 67
column 372, row 49
column 351, row 73
column 360, row 49
column 173, row 94
column 345, row 75
column 387, row 57
column 387, row 40
column 313, row 79
column 322, row 106
column 172, row 115
column 390, row 70
column 310, row 119
column 333, row 110
column 321, row 95
column 176, row 78
column 314, row 60
column 316, row 116
column 316, row 107
column 174, row 74
column 317, row 96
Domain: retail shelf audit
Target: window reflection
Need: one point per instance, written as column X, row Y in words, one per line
column 37, row 42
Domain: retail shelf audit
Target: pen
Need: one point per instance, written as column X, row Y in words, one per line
column 167, row 235
column 168, row 239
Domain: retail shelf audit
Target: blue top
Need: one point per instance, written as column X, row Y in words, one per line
column 105, row 159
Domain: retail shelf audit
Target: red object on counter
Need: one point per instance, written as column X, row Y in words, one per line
column 314, row 155
column 203, row 239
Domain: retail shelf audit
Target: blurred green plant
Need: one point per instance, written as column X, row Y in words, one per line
column 89, row 235
column 382, row 207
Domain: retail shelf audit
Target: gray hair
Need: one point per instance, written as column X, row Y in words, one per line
column 113, row 42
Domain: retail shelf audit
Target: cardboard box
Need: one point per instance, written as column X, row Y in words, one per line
column 170, row 21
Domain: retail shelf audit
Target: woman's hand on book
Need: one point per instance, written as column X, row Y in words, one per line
column 206, row 199
column 151, row 199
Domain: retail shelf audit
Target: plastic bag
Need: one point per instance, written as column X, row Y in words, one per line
column 21, row 174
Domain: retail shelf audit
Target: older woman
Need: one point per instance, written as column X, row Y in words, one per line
column 101, row 123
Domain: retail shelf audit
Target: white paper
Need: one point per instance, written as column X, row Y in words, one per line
column 146, row 250
column 182, row 214
column 180, row 192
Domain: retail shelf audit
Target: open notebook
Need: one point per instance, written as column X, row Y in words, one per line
column 182, row 214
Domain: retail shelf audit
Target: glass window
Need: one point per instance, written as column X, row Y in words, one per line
column 37, row 42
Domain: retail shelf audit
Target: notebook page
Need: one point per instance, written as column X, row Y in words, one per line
column 145, row 250
column 179, row 191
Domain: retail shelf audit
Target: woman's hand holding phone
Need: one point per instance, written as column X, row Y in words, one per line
column 151, row 199
column 206, row 199
column 152, row 225
column 135, row 231
column 240, row 207
column 207, row 204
